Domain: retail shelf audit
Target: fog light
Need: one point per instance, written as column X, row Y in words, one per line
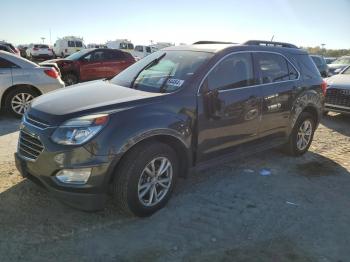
column 74, row 176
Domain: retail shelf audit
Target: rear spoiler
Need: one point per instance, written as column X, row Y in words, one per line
column 269, row 43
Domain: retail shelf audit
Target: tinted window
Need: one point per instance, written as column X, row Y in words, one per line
column 41, row 46
column 293, row 74
column 114, row 55
column 71, row 44
column 234, row 71
column 78, row 43
column 139, row 48
column 317, row 60
column 308, row 67
column 130, row 46
column 271, row 67
column 3, row 48
column 6, row 64
column 148, row 49
column 98, row 56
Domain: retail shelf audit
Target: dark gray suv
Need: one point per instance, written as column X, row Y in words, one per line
column 178, row 109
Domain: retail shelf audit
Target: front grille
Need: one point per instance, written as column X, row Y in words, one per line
column 339, row 97
column 32, row 121
column 29, row 146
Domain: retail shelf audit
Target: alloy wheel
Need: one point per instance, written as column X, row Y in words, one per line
column 20, row 102
column 304, row 135
column 155, row 181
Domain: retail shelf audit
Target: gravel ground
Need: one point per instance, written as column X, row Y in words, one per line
column 301, row 212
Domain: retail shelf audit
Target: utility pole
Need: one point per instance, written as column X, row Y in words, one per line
column 323, row 49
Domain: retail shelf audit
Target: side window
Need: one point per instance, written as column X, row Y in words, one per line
column 71, row 44
column 293, row 74
column 6, row 64
column 78, row 44
column 271, row 67
column 98, row 56
column 114, row 55
column 148, row 49
column 233, row 72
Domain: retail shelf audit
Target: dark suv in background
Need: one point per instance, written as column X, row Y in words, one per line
column 177, row 109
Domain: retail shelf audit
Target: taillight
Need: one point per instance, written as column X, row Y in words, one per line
column 49, row 49
column 35, row 49
column 51, row 73
column 324, row 87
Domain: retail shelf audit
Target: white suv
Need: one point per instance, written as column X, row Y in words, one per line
column 39, row 51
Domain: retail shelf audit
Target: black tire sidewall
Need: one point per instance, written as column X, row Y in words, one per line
column 135, row 171
column 302, row 118
column 13, row 93
column 70, row 76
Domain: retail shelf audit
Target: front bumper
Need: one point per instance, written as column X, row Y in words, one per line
column 337, row 108
column 53, row 158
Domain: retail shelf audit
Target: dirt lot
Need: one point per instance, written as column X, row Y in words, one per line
column 301, row 212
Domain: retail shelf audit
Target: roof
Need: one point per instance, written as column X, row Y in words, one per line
column 215, row 48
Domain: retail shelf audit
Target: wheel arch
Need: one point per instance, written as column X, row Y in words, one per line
column 11, row 88
column 182, row 152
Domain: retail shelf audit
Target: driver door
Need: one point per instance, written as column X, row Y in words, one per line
column 229, row 107
column 92, row 66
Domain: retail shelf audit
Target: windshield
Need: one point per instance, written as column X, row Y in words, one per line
column 77, row 55
column 342, row 60
column 162, row 71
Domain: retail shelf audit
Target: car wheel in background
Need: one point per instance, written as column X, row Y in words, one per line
column 70, row 79
column 18, row 100
column 145, row 179
column 301, row 137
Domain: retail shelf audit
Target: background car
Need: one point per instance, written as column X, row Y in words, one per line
column 39, row 51
column 21, row 81
column 9, row 45
column 23, row 50
column 338, row 65
column 338, row 92
column 68, row 45
column 330, row 60
column 321, row 65
column 91, row 64
column 6, row 49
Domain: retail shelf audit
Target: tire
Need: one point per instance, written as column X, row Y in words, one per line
column 294, row 147
column 131, row 176
column 70, row 79
column 18, row 100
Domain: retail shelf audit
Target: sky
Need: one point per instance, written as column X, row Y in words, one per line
column 301, row 22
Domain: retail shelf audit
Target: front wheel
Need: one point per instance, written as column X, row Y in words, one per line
column 301, row 137
column 145, row 179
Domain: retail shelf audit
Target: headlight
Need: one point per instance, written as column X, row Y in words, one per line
column 79, row 130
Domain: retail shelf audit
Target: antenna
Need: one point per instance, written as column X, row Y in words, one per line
column 272, row 38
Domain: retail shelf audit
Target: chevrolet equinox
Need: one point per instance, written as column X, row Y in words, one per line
column 177, row 109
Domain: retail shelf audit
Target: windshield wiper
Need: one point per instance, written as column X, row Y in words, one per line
column 153, row 62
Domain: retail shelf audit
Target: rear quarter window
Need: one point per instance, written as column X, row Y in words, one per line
column 307, row 67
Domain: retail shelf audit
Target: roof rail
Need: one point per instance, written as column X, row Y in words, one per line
column 269, row 43
column 210, row 42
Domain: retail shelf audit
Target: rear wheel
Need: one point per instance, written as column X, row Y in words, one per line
column 18, row 100
column 70, row 79
column 145, row 179
column 301, row 137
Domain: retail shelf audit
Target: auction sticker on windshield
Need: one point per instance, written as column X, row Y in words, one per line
column 175, row 82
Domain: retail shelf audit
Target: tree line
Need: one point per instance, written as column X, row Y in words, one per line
column 327, row 52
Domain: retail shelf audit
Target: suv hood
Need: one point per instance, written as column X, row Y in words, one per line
column 89, row 96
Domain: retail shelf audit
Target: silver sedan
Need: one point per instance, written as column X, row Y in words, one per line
column 21, row 81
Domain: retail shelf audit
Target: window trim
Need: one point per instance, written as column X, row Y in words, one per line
column 238, row 88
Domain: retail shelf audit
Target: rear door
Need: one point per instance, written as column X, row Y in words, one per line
column 229, row 107
column 5, row 74
column 278, row 79
column 115, row 62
